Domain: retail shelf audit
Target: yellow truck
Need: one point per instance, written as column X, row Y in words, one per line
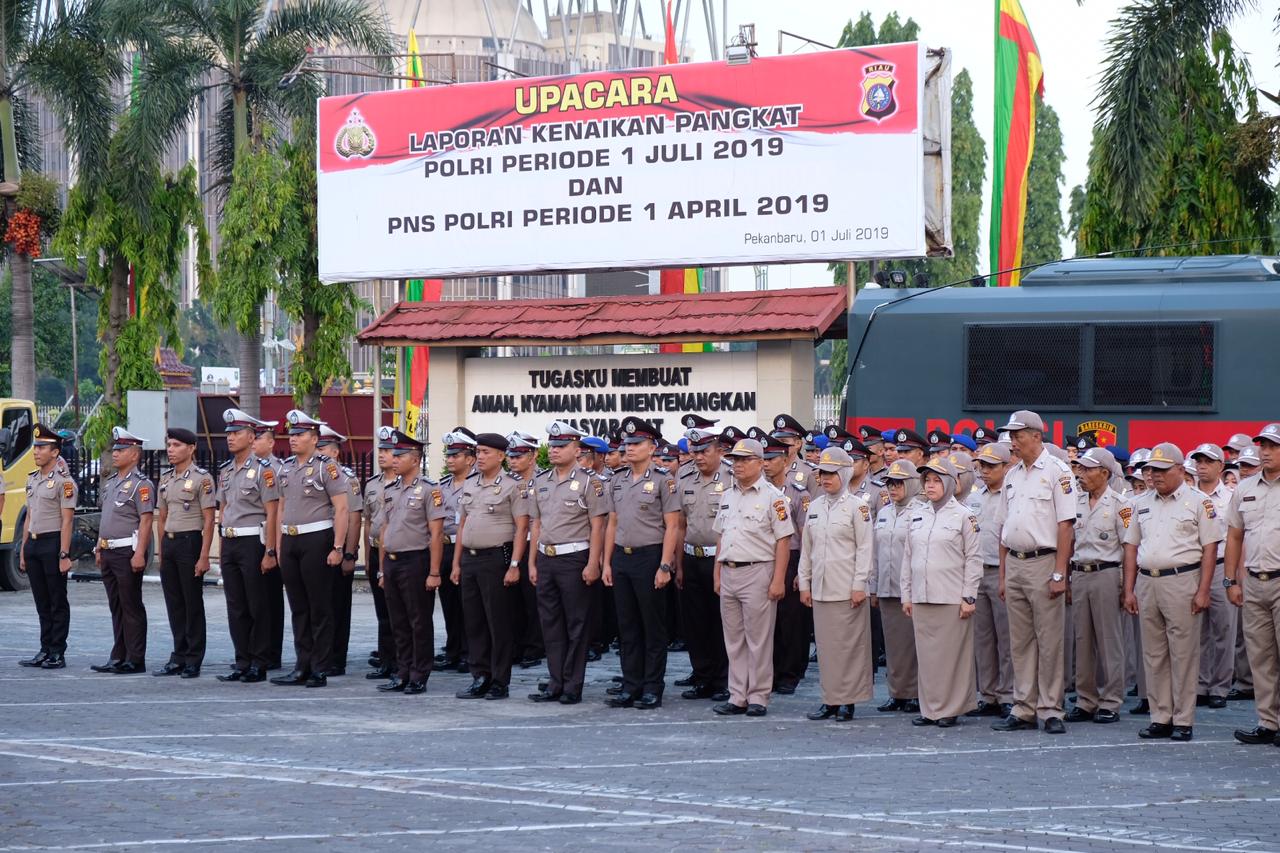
column 17, row 417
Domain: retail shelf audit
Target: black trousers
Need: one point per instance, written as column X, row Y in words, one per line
column 642, row 619
column 273, row 589
column 528, row 622
column 49, row 589
column 386, row 639
column 308, row 581
column 604, row 618
column 703, row 632
column 248, row 605
column 791, row 632
column 486, row 605
column 564, row 609
column 183, row 596
column 342, row 586
column 455, row 634
column 411, row 607
column 124, row 598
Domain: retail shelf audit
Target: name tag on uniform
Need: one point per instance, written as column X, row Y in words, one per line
column 1144, row 510
column 1250, row 498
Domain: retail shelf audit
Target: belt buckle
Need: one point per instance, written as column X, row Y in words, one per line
column 391, row 556
column 168, row 535
column 699, row 551
column 1155, row 573
column 1263, row 576
column 292, row 530
column 550, row 550
column 626, row 549
column 102, row 544
column 471, row 551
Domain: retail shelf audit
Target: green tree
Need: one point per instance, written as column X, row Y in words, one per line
column 208, row 344
column 1042, row 230
column 53, row 355
column 253, row 55
column 1075, row 215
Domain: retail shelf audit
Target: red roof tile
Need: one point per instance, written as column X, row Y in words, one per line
column 809, row 313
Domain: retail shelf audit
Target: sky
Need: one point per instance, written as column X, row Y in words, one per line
column 1071, row 38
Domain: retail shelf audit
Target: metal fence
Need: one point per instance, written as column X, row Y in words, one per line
column 826, row 408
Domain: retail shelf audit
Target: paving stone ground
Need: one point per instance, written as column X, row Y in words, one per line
column 93, row 761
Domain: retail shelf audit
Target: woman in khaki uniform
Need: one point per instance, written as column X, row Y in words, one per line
column 837, row 528
column 891, row 539
column 941, row 569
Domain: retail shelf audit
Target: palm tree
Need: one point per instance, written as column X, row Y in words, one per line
column 255, row 60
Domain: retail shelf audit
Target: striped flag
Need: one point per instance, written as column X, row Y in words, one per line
column 1019, row 79
column 413, row 376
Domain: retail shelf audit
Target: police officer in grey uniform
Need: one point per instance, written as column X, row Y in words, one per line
column 46, row 541
column 264, row 444
column 128, row 505
column 460, row 462
column 522, row 462
column 313, row 536
column 568, row 510
column 330, row 445
column 794, row 624
column 991, row 620
column 701, row 490
column 639, row 548
column 373, row 519
column 184, row 535
column 249, row 497
column 1218, row 630
column 411, row 551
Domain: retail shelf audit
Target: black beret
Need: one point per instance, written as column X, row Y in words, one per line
column 492, row 439
column 186, row 436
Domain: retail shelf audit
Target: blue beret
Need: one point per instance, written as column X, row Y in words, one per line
column 683, row 444
column 890, row 436
column 966, row 441
column 820, row 441
column 595, row 443
column 1120, row 453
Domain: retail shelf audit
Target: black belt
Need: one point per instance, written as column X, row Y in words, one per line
column 482, row 552
column 1093, row 567
column 400, row 555
column 1031, row 555
column 185, row 534
column 735, row 564
column 31, row 534
column 990, row 566
column 1271, row 574
column 635, row 549
column 1222, row 561
column 1164, row 573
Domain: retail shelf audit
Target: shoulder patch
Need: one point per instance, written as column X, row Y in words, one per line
column 1125, row 513
column 68, row 489
column 671, row 486
column 437, row 497
column 269, row 477
column 331, row 470
column 780, row 508
column 144, row 493
column 208, row 486
column 1209, row 509
column 973, row 522
column 866, row 511
column 1065, row 484
column 597, row 486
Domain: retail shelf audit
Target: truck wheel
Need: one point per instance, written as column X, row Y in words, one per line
column 11, row 580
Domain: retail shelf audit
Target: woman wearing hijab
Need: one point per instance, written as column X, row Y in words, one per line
column 966, row 475
column 891, row 539
column 835, row 563
column 940, row 575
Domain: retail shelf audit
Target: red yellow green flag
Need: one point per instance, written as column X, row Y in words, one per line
column 413, row 371
column 1019, row 79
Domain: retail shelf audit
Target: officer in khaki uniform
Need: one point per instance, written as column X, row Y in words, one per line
column 264, row 444
column 991, row 618
column 1097, row 584
column 184, row 534
column 1172, row 541
column 891, row 527
column 249, row 497
column 1253, row 580
column 568, row 511
column 701, row 488
column 798, row 482
column 372, row 523
column 411, row 550
column 492, row 536
column 1039, row 499
column 460, row 462
column 330, row 445
column 128, row 505
column 46, row 540
column 522, row 463
column 1218, row 629
column 313, row 536
column 752, row 555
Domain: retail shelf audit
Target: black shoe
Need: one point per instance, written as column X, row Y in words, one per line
column 784, row 689
column 478, row 688
column 439, row 659
column 497, row 691
column 1104, row 716
column 413, row 688
column 109, row 667
column 1133, row 691
column 253, row 675
column 648, row 701
column 544, row 696
column 621, row 700
column 1143, row 707
column 570, row 698
column 1006, row 708
column 297, row 678
column 382, row 672
column 234, row 675
column 1202, row 699
column 614, row 690
column 911, row 706
column 687, row 682
column 985, row 709
column 1258, row 734
column 845, row 714
column 923, row 721
column 593, row 656
column 54, row 662
column 1237, row 694
column 317, row 679
column 947, row 722
column 40, row 657
column 824, row 712
column 445, row 662
column 275, row 664
column 530, row 663
column 334, row 671
column 677, row 646
column 191, row 672
column 698, row 691
column 1013, row 723
column 813, row 656
column 1181, row 733
column 728, row 709
column 754, row 710
column 131, row 668
column 171, row 668
column 720, row 695
column 395, row 685
column 891, row 705
column 1054, row 726
column 1078, row 715
column 1156, row 730
column 1217, row 702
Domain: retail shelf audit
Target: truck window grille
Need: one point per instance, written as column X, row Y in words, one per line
column 1159, row 365
column 1024, row 366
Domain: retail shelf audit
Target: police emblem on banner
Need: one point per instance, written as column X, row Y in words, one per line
column 878, row 100
column 355, row 138
column 1103, row 433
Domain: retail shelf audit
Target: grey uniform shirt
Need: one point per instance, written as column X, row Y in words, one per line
column 307, row 487
column 1255, row 509
column 891, row 543
column 47, row 496
column 1221, row 497
column 838, row 551
column 1100, row 529
column 245, row 490
column 1037, row 497
column 873, row 494
column 941, row 563
column 374, row 492
column 451, row 493
column 490, row 510
column 988, row 507
column 1170, row 532
column 185, row 497
column 640, row 504
column 700, row 500
column 410, row 508
column 564, row 508
column 355, row 500
column 125, row 499
column 751, row 521
column 800, row 486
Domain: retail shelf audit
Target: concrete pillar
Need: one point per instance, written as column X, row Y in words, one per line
column 784, row 376
column 447, row 397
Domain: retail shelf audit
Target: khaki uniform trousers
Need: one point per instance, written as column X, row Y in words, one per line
column 748, row 617
column 1036, row 630
column 1135, row 672
column 991, row 641
column 1217, row 641
column 1261, row 618
column 1170, row 645
column 1095, row 605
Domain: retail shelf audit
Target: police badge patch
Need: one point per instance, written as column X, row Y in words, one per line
column 1125, row 514
column 1209, row 509
column 866, row 512
column 780, row 507
column 878, row 99
column 68, row 490
column 1065, row 483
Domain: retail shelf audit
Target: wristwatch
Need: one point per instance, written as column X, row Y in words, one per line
column 668, row 568
column 1230, row 582
column 1056, row 577
column 347, row 555
column 969, row 599
column 514, row 564
column 271, row 552
column 63, row 555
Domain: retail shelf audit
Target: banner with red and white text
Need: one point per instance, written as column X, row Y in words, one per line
column 810, row 157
